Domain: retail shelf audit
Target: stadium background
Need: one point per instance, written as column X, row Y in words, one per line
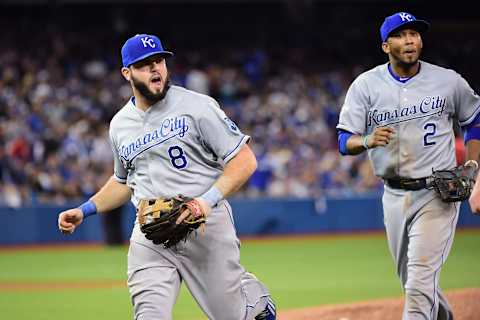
column 280, row 69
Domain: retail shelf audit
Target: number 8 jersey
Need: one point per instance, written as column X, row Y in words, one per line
column 178, row 146
column 420, row 110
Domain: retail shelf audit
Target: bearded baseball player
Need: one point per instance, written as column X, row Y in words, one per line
column 177, row 157
column 402, row 113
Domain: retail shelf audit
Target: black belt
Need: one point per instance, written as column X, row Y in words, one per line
column 408, row 184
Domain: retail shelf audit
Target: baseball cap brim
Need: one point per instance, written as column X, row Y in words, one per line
column 419, row 25
column 165, row 54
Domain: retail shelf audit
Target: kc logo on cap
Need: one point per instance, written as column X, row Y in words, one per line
column 406, row 16
column 149, row 41
column 142, row 46
column 401, row 19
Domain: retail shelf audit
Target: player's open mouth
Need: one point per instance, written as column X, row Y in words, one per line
column 156, row 80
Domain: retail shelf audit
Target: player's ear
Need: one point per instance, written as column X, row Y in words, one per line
column 385, row 47
column 126, row 73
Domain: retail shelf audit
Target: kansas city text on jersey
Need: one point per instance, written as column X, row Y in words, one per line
column 171, row 127
column 430, row 105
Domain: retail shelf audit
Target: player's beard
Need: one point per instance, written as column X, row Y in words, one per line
column 148, row 94
column 404, row 62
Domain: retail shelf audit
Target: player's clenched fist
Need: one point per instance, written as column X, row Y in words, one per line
column 69, row 220
column 380, row 137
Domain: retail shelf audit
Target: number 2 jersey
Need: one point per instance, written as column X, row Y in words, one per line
column 420, row 110
column 178, row 146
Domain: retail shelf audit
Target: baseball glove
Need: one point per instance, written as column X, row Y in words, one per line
column 157, row 219
column 455, row 184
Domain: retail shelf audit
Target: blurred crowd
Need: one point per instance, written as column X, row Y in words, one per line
column 56, row 102
column 291, row 113
column 54, row 116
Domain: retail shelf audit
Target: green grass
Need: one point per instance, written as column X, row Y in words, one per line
column 298, row 272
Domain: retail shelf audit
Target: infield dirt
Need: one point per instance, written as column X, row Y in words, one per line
column 465, row 304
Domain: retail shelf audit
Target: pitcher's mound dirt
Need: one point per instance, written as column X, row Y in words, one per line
column 465, row 304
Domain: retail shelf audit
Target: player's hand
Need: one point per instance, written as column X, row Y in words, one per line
column 380, row 137
column 474, row 199
column 69, row 220
column 203, row 206
column 472, row 163
column 474, row 202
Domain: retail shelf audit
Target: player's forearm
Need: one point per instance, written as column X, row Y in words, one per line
column 237, row 171
column 112, row 195
column 380, row 137
column 473, row 150
column 355, row 145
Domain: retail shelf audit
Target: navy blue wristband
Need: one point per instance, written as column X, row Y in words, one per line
column 88, row 208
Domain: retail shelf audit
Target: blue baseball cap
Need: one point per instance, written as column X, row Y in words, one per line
column 401, row 19
column 142, row 46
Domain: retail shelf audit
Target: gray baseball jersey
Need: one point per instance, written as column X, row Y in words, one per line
column 420, row 227
column 180, row 146
column 421, row 111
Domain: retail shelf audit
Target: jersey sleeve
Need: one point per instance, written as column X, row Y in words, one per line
column 119, row 171
column 220, row 134
column 467, row 102
column 353, row 114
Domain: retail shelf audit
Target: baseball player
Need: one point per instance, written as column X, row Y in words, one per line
column 402, row 113
column 167, row 141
